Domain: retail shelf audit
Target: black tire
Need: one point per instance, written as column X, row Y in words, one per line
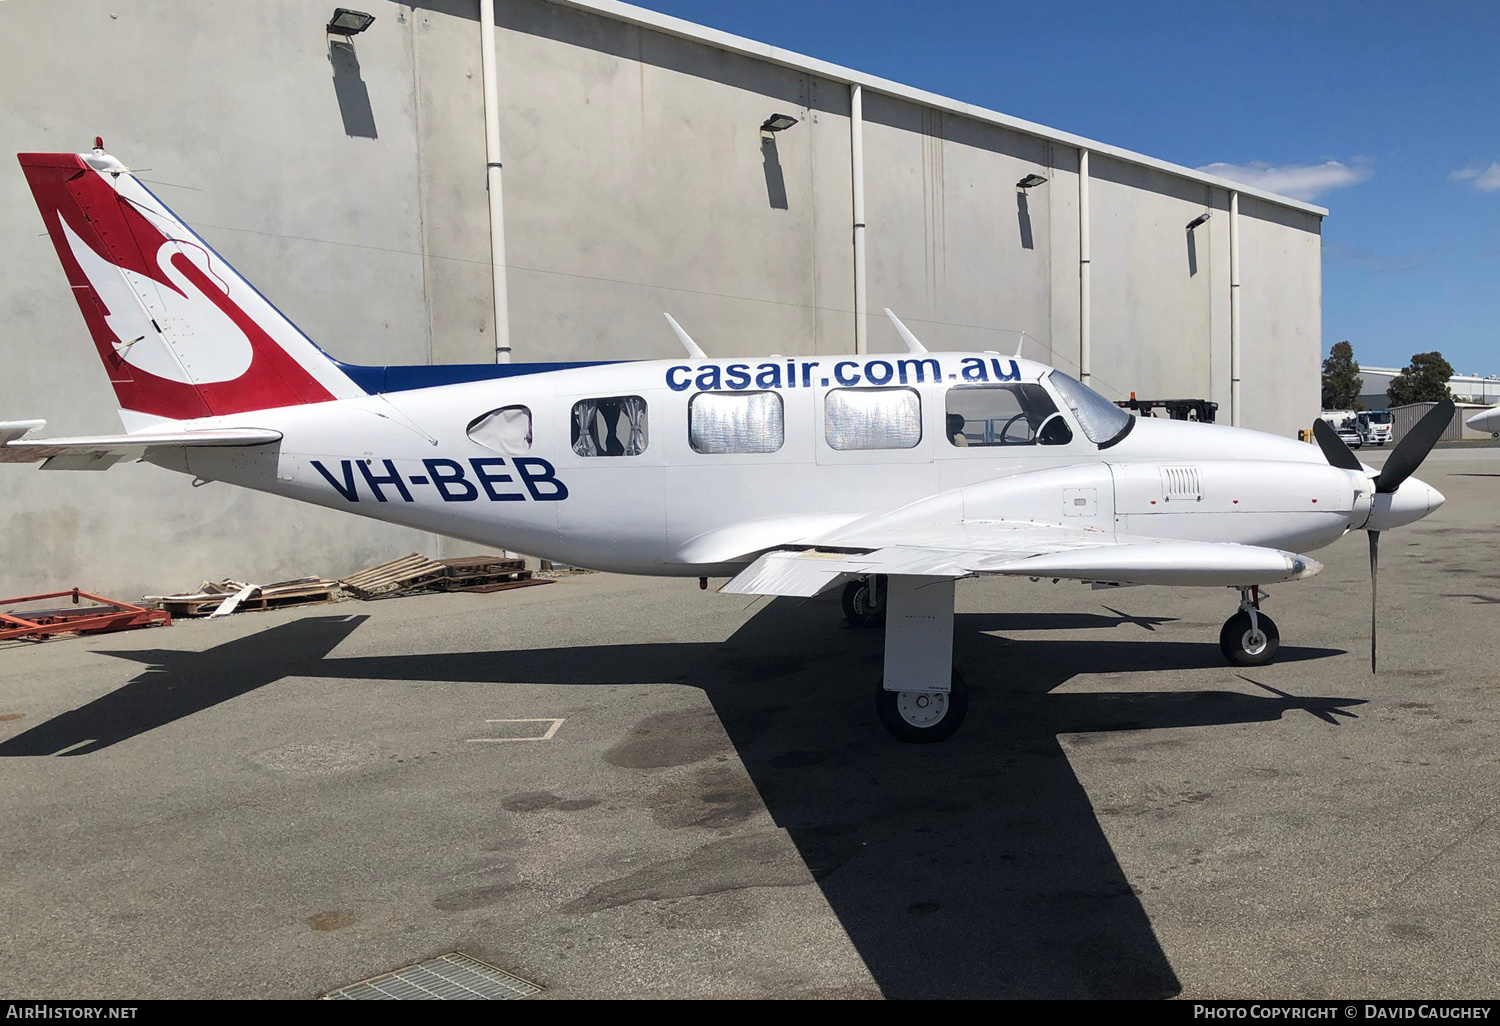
column 889, row 704
column 1234, row 640
column 862, row 606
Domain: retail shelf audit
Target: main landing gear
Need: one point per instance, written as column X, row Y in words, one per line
column 864, row 601
column 1249, row 637
column 921, row 717
column 922, row 698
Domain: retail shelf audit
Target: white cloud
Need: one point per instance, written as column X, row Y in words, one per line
column 1485, row 179
column 1299, row 181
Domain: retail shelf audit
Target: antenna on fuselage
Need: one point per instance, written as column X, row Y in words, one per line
column 685, row 339
column 912, row 345
column 1019, row 344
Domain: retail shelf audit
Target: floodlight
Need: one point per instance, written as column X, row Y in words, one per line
column 1199, row 220
column 1031, row 182
column 777, row 123
column 349, row 23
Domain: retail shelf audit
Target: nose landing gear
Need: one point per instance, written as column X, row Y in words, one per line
column 1249, row 637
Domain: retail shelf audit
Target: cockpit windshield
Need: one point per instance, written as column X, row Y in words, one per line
column 1102, row 421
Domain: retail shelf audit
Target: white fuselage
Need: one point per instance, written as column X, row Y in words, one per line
column 405, row 457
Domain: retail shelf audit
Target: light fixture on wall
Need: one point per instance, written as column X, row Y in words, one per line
column 1200, row 220
column 776, row 123
column 1031, row 182
column 349, row 23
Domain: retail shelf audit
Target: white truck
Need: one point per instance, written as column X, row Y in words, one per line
column 1346, row 423
column 1374, row 426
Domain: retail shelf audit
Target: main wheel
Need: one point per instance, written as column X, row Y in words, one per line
column 1242, row 645
column 864, row 602
column 918, row 717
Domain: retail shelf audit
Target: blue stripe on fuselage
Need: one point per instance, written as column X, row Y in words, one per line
column 376, row 380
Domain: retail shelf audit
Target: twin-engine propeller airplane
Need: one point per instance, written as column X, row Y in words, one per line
column 894, row 475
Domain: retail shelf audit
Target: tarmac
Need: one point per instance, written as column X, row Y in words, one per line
column 625, row 787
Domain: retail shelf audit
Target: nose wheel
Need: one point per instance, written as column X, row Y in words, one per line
column 920, row 717
column 1249, row 637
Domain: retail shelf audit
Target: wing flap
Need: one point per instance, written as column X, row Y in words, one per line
column 1028, row 550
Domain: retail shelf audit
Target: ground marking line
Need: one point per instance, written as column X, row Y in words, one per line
column 556, row 721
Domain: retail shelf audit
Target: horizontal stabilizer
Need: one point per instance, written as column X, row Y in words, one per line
column 99, row 452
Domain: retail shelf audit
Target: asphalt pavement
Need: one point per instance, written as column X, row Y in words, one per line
column 616, row 786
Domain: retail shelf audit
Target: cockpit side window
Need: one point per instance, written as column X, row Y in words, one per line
column 988, row 415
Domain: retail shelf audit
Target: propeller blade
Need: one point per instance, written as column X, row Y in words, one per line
column 1334, row 450
column 1374, row 537
column 1414, row 447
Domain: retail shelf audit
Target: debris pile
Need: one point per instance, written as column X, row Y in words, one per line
column 220, row 598
column 404, row 576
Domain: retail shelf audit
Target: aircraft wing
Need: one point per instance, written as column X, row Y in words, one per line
column 1022, row 549
column 100, row 452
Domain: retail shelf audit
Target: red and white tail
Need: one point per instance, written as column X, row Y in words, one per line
column 181, row 334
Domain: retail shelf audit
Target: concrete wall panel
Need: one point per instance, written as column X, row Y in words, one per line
column 349, row 186
column 1281, row 342
column 1151, row 293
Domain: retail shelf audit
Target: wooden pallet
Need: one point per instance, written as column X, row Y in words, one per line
column 409, row 573
column 212, row 595
column 475, row 573
column 485, row 589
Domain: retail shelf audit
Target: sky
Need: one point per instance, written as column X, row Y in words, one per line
column 1388, row 114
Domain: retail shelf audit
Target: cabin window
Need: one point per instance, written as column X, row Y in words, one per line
column 984, row 415
column 506, row 430
column 872, row 418
column 1103, row 421
column 720, row 422
column 615, row 426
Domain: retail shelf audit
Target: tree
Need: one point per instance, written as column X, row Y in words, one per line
column 1425, row 380
column 1341, row 380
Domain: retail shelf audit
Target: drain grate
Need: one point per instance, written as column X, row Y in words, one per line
column 451, row 977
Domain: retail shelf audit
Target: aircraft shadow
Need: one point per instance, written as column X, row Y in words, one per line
column 974, row 868
column 178, row 684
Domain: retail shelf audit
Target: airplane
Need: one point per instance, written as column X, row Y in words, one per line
column 1486, row 420
column 893, row 475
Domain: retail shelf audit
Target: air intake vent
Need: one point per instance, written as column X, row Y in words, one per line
column 1181, row 483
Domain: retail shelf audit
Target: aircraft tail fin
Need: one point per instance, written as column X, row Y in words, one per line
column 181, row 334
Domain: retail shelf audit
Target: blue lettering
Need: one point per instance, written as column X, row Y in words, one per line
column 488, row 479
column 769, row 376
column 452, row 485
column 708, row 378
column 974, row 369
column 737, row 375
column 807, row 373
column 791, row 374
column 838, row 372
column 543, row 474
column 1000, row 375
column 390, row 478
column 920, row 366
column 885, row 368
column 344, row 488
column 679, row 386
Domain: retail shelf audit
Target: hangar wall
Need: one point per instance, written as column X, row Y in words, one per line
column 349, row 186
